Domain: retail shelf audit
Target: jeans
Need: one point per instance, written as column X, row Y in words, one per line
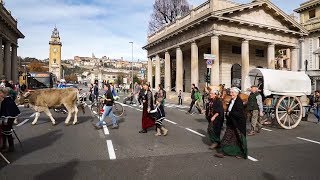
column 317, row 113
column 107, row 112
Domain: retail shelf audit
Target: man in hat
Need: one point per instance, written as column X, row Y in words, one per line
column 255, row 108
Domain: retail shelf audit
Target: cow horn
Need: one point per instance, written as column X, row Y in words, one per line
column 26, row 94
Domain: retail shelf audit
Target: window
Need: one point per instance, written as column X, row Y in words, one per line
column 259, row 53
column 54, row 61
column 236, row 50
column 312, row 13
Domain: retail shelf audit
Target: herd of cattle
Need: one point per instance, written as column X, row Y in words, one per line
column 43, row 100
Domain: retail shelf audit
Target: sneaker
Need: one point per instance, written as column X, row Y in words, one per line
column 115, row 127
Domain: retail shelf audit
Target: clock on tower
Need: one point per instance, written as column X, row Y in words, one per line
column 55, row 54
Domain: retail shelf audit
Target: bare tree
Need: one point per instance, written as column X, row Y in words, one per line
column 165, row 12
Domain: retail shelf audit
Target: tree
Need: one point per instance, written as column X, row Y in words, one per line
column 136, row 79
column 36, row 66
column 119, row 79
column 166, row 12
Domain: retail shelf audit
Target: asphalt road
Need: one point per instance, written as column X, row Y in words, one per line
column 81, row 152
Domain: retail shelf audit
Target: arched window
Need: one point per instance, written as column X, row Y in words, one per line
column 236, row 75
column 54, row 61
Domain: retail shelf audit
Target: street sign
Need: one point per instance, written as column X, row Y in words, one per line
column 209, row 63
column 209, row 56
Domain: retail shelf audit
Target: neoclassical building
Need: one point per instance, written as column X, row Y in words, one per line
column 310, row 50
column 9, row 35
column 241, row 36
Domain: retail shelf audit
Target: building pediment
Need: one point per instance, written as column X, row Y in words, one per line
column 262, row 13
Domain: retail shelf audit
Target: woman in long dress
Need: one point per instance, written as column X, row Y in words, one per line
column 215, row 117
column 234, row 142
column 147, row 120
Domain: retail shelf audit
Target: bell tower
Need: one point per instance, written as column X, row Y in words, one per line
column 55, row 54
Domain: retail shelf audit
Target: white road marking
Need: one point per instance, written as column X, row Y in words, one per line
column 170, row 121
column 20, row 105
column 195, row 132
column 134, row 105
column 23, row 122
column 122, row 104
column 309, row 140
column 32, row 115
column 138, row 109
column 105, row 129
column 112, row 154
column 252, row 159
column 94, row 112
column 266, row 129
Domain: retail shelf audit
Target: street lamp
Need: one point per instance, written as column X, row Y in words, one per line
column 132, row 64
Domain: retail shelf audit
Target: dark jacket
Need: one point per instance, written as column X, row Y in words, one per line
column 236, row 117
column 9, row 108
column 108, row 95
column 192, row 94
column 96, row 90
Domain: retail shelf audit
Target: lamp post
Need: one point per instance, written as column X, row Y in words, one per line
column 132, row 64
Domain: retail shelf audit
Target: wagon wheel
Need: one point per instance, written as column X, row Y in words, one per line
column 289, row 112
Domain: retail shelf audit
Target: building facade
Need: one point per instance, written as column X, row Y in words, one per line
column 55, row 45
column 9, row 36
column 310, row 50
column 240, row 36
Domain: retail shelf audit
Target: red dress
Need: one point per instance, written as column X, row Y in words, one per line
column 147, row 120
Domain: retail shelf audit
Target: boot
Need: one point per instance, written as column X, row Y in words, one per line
column 158, row 132
column 4, row 142
column 11, row 144
column 164, row 131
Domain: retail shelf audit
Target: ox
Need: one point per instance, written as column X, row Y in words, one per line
column 44, row 99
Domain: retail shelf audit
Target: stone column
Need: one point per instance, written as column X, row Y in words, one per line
column 158, row 73
column 288, row 53
column 215, row 70
column 14, row 67
column 150, row 71
column 245, row 63
column 271, row 56
column 167, row 75
column 302, row 54
column 179, row 71
column 194, row 64
column 7, row 59
column 294, row 59
column 1, row 60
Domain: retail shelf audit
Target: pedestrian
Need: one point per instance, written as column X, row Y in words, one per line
column 198, row 98
column 234, row 141
column 215, row 117
column 107, row 110
column 255, row 110
column 96, row 91
column 261, row 88
column 8, row 112
column 147, row 120
column 161, row 94
column 13, row 94
column 193, row 100
column 3, row 83
column 316, row 105
column 159, row 115
column 180, row 97
column 136, row 92
column 141, row 94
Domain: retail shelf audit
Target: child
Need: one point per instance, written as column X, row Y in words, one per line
column 9, row 111
column 180, row 98
column 159, row 115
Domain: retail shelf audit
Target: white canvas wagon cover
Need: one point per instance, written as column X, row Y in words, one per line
column 279, row 82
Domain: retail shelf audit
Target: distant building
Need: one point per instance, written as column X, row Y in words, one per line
column 55, row 54
column 310, row 46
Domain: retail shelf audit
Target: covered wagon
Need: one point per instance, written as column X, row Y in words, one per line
column 285, row 88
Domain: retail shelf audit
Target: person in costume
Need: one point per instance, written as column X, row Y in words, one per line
column 147, row 120
column 8, row 113
column 215, row 117
column 234, row 142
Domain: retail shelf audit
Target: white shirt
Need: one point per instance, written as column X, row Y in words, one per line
column 231, row 105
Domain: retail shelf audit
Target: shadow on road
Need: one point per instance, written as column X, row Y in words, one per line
column 205, row 139
column 269, row 176
column 66, row 171
column 32, row 144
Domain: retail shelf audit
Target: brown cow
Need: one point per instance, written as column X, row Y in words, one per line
column 44, row 99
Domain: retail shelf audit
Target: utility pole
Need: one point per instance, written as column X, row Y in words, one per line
column 132, row 64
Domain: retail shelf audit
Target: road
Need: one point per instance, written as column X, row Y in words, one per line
column 81, row 152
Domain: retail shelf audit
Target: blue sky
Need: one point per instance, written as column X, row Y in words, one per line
column 102, row 27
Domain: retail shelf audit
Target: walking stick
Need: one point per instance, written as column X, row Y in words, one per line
column 4, row 158
column 17, row 138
